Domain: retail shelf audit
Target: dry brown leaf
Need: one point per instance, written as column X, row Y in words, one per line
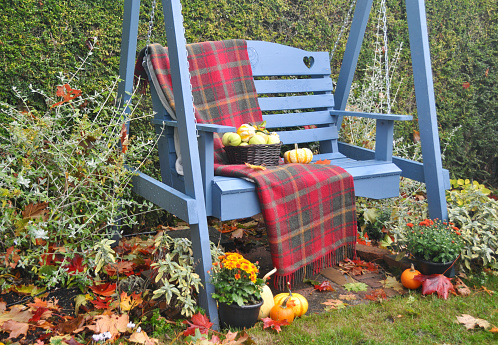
column 39, row 210
column 471, row 322
column 460, row 287
column 15, row 328
column 142, row 338
column 16, row 313
column 334, row 304
column 110, row 323
column 391, row 282
column 239, row 233
column 348, row 297
column 129, row 302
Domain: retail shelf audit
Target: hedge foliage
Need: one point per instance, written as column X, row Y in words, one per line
column 42, row 38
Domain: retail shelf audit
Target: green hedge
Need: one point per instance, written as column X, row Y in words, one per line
column 40, row 39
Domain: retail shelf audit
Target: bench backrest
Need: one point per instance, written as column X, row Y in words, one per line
column 295, row 90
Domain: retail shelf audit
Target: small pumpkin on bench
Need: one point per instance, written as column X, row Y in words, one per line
column 303, row 156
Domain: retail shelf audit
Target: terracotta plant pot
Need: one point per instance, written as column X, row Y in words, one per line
column 236, row 316
column 429, row 267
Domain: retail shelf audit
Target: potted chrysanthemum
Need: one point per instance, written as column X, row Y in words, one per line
column 434, row 244
column 237, row 290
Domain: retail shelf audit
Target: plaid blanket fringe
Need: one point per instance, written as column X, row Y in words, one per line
column 332, row 258
column 309, row 210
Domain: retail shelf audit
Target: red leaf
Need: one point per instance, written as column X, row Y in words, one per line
column 102, row 303
column 376, row 295
column 324, row 286
column 75, row 266
column 198, row 321
column 39, row 313
column 106, row 289
column 466, row 85
column 268, row 322
column 67, row 93
column 435, row 283
column 124, row 139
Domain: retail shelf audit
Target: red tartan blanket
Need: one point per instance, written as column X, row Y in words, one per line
column 309, row 210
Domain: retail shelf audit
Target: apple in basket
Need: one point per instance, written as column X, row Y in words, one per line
column 231, row 139
column 257, row 139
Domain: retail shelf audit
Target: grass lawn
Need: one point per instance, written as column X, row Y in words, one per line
column 410, row 319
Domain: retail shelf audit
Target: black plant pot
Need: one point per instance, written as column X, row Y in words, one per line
column 236, row 316
column 429, row 267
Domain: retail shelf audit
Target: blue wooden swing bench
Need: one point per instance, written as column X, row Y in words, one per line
column 295, row 90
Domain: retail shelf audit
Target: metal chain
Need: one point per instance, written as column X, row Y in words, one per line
column 344, row 24
column 189, row 76
column 386, row 56
column 151, row 25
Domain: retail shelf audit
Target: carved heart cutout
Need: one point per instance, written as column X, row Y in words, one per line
column 308, row 61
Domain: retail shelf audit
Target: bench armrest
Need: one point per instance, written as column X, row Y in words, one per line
column 204, row 127
column 372, row 115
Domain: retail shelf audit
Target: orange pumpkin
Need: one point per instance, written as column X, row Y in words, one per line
column 407, row 278
column 281, row 312
column 300, row 302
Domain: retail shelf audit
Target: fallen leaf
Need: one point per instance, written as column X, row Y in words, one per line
column 67, row 93
column 348, row 297
column 334, row 304
column 323, row 161
column 391, row 282
column 466, row 85
column 239, row 233
column 489, row 292
column 15, row 328
column 268, row 322
column 435, row 283
column 110, row 323
column 16, row 313
column 73, row 325
column 356, row 287
column 255, row 167
column 121, row 267
column 31, row 290
column 324, row 286
column 33, row 211
column 124, row 139
column 416, row 136
column 128, row 302
column 377, row 295
column 106, row 289
column 197, row 321
column 471, row 322
column 142, row 338
column 461, row 288
column 493, row 330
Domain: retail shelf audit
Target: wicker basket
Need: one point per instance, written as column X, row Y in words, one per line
column 268, row 155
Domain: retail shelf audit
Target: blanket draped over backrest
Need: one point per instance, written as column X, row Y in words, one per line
column 309, row 209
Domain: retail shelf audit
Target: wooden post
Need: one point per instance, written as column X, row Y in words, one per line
column 190, row 153
column 426, row 108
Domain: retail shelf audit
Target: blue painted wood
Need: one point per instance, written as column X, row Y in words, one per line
column 426, row 108
column 376, row 116
column 350, row 58
column 166, row 197
column 128, row 49
column 293, row 85
column 295, row 102
column 384, row 133
column 410, row 169
column 188, row 146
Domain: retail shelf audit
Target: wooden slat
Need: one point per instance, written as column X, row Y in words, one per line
column 273, row 59
column 298, row 119
column 308, row 135
column 377, row 116
column 293, row 85
column 296, row 102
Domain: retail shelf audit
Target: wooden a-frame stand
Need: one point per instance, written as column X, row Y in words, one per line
column 190, row 205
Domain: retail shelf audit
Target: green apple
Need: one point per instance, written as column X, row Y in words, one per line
column 231, row 139
column 273, row 138
column 257, row 139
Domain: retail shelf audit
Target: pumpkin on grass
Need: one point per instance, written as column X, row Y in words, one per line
column 281, row 312
column 407, row 278
column 300, row 302
column 267, row 297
